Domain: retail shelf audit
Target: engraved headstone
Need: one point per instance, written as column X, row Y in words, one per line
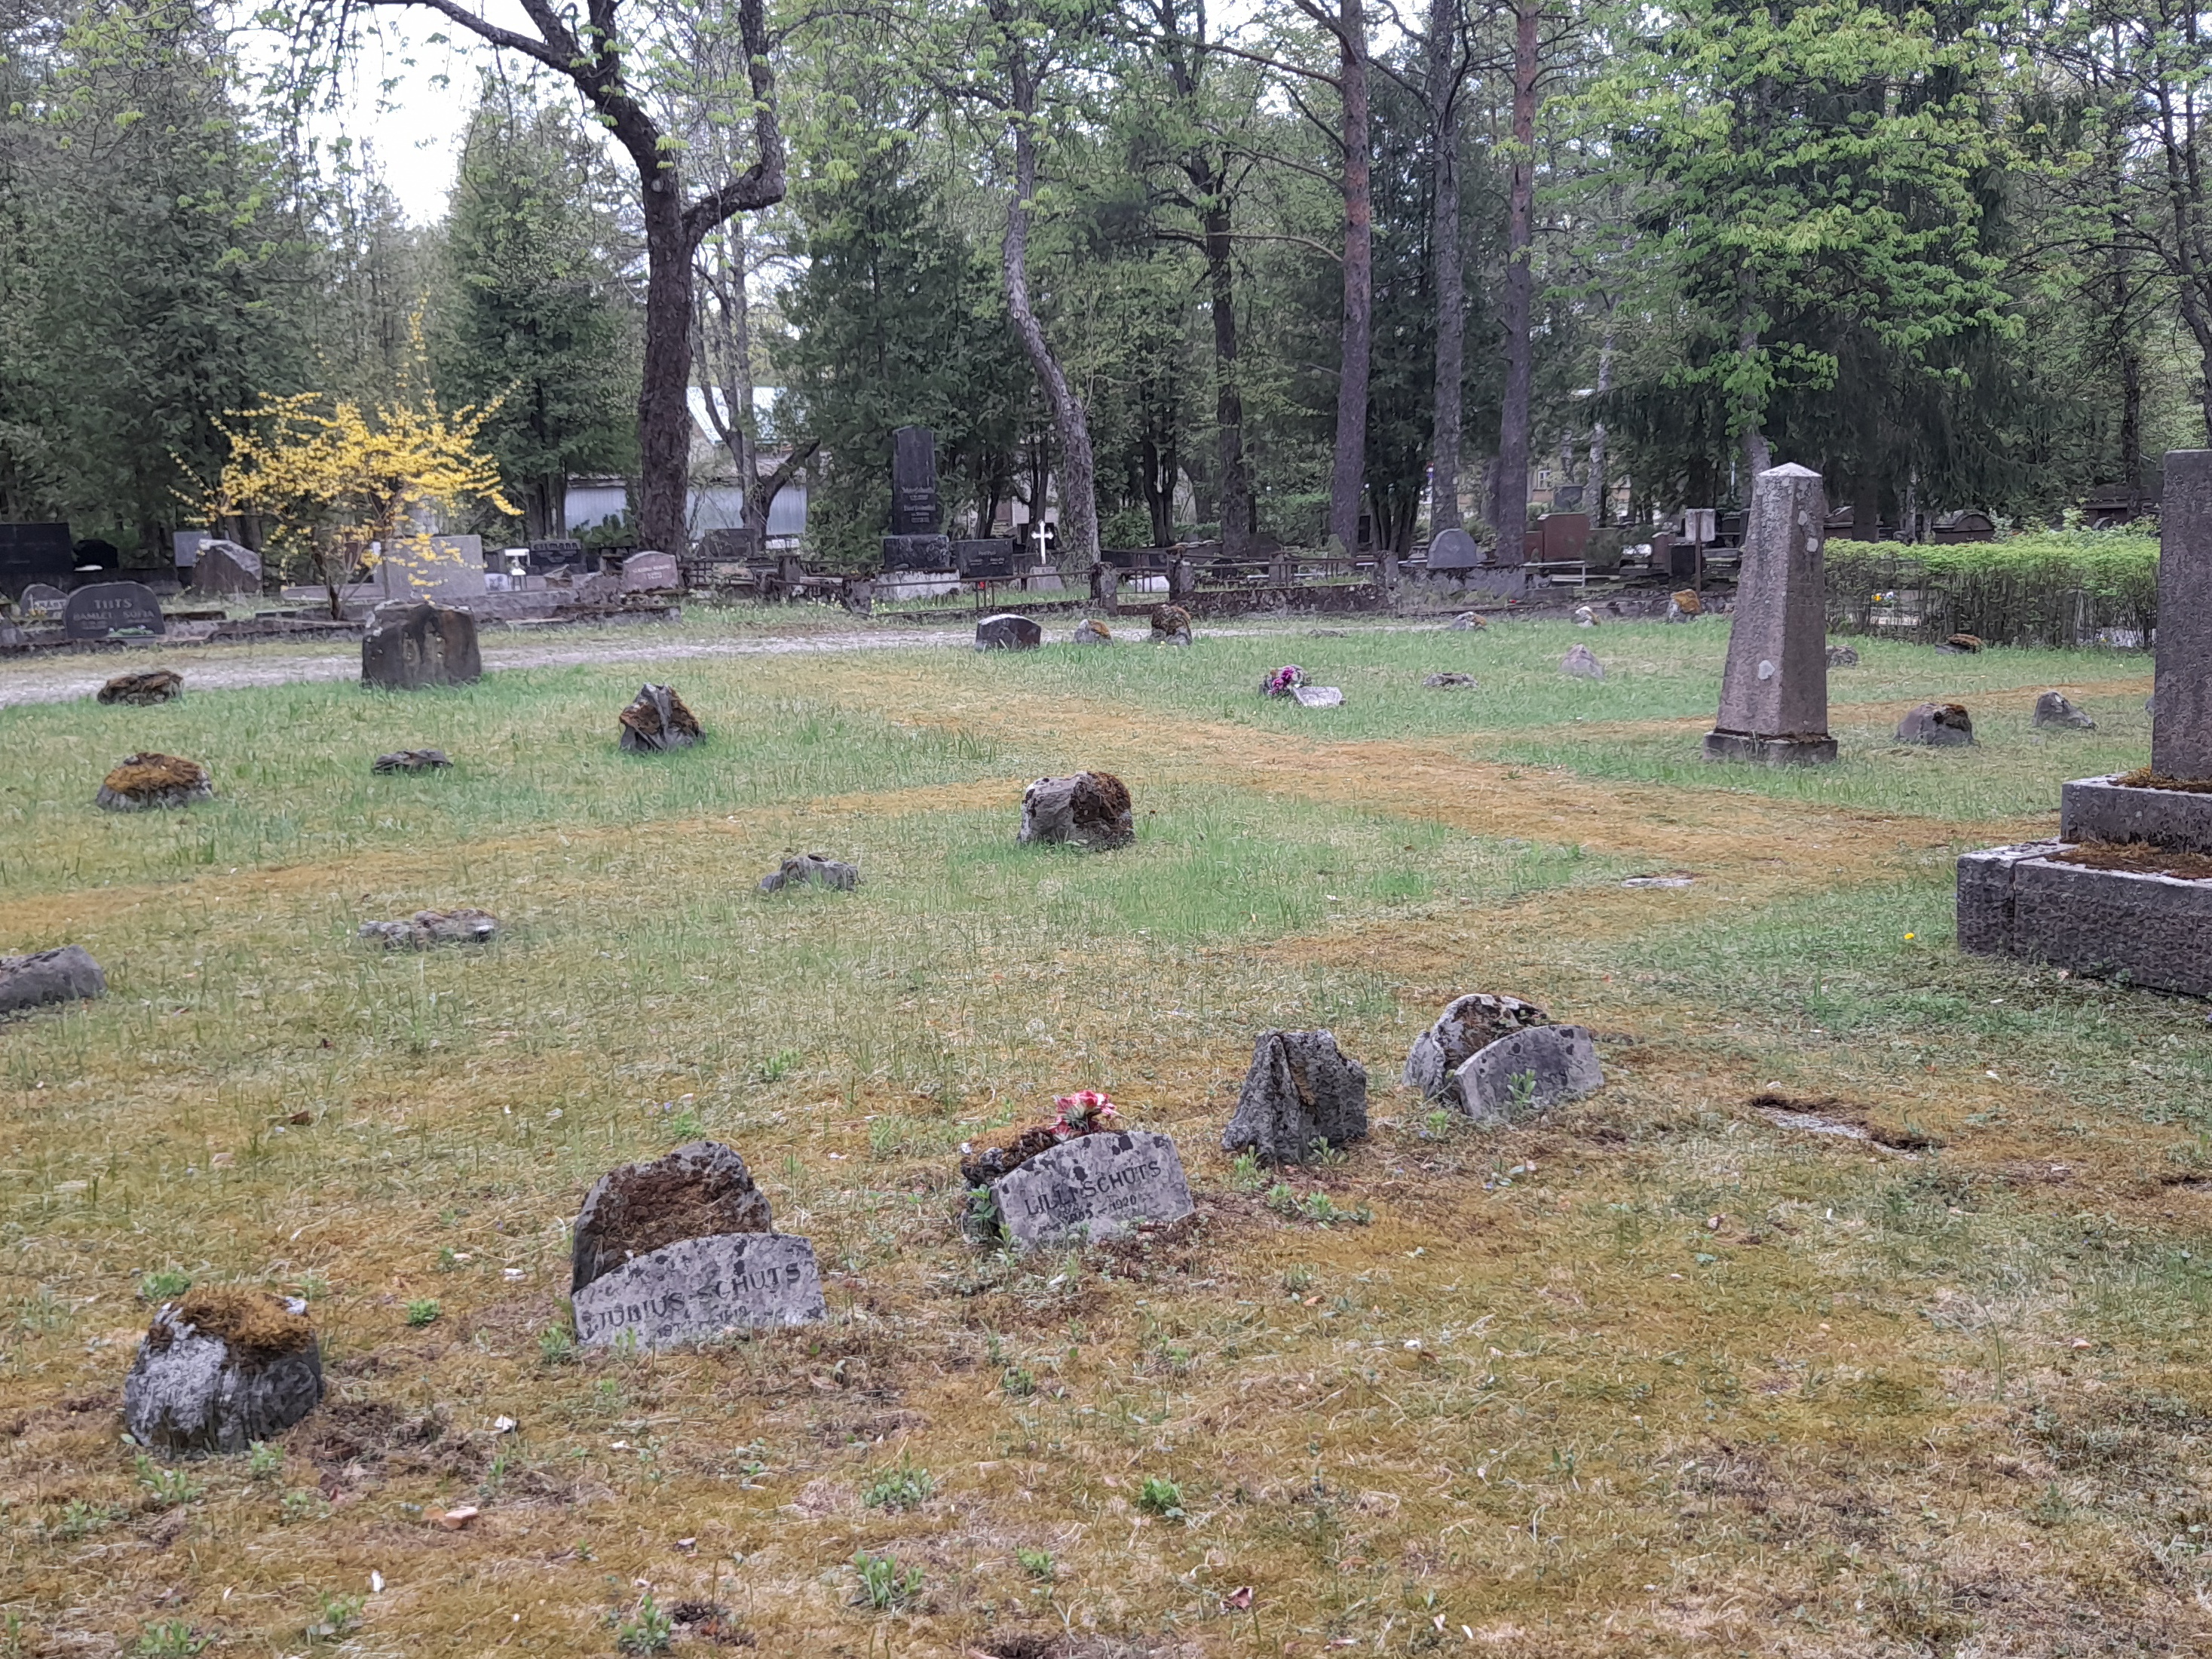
column 1093, row 1188
column 2181, row 721
column 107, row 610
column 701, row 1287
column 410, row 646
column 914, row 509
column 1454, row 549
column 1774, row 690
column 991, row 560
column 1318, row 696
column 1520, row 1074
column 225, row 566
column 650, row 572
column 42, row 602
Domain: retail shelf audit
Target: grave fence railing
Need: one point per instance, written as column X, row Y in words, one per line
column 2040, row 604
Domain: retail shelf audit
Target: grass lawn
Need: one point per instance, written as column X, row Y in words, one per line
column 1655, row 1374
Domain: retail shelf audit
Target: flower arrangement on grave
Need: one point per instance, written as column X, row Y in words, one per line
column 1086, row 1112
column 1285, row 680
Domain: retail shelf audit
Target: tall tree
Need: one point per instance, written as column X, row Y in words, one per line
column 1510, row 511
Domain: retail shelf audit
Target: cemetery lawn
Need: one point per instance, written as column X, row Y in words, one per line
column 1659, row 1374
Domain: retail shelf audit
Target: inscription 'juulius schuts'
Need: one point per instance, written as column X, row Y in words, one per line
column 700, row 1286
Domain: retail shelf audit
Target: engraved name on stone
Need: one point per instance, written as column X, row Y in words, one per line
column 1093, row 1188
column 701, row 1286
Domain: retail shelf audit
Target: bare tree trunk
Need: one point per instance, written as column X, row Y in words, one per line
column 1078, row 501
column 1237, row 524
column 1511, row 512
column 1347, row 478
column 1601, row 506
column 664, row 414
column 1450, row 273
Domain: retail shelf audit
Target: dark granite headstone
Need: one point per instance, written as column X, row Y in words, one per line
column 1008, row 632
column 1093, row 1188
column 1454, row 549
column 2181, row 721
column 914, row 508
column 35, row 553
column 1774, row 690
column 701, row 1287
column 991, row 560
column 224, row 567
column 410, row 646
column 107, row 610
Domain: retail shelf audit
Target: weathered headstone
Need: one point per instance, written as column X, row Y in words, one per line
column 1774, row 690
column 147, row 687
column 1092, row 631
column 1843, row 656
column 2181, row 727
column 154, row 779
column 1685, row 606
column 1522, row 1074
column 1171, row 625
column 1452, row 550
column 225, row 566
column 428, row 927
column 218, row 1371
column 410, row 760
column 918, row 553
column 65, row 974
column 1301, row 1090
column 1466, row 622
column 106, row 610
column 1585, row 617
column 2056, row 709
column 701, row 1189
column 1937, row 726
column 701, row 1287
column 1467, row 1025
column 656, row 719
column 1582, row 663
column 1959, row 645
column 1008, row 632
column 650, row 572
column 1449, row 681
column 1090, row 810
column 411, row 645
column 1318, row 696
column 43, row 603
column 1093, row 1188
column 819, row 868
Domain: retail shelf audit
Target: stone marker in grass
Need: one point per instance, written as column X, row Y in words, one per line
column 1520, row 1074
column 1317, row 696
column 1093, row 1188
column 656, row 719
column 1582, row 663
column 1449, row 682
column 1171, row 625
column 149, row 781
column 1467, row 1025
column 224, row 1368
column 410, row 760
column 2056, row 709
column 1092, row 631
column 1774, row 689
column 1090, row 810
column 818, row 868
column 428, row 927
column 408, row 646
column 143, row 688
column 1008, row 632
column 680, row 1249
column 1937, row 726
column 66, row 975
column 1302, row 1091
column 1843, row 656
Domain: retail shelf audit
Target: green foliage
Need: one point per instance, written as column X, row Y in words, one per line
column 1315, row 1206
column 422, row 1310
column 1161, row 1497
column 1038, row 1564
column 556, row 1345
column 335, row 1616
column 170, row 1637
column 302, row 1504
column 648, row 1630
column 167, row 1487
column 164, row 1285
column 264, row 1461
column 903, row 1487
column 884, row 1586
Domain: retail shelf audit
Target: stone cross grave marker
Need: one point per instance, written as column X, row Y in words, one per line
column 1774, row 691
column 700, row 1287
column 1093, row 1188
column 106, row 609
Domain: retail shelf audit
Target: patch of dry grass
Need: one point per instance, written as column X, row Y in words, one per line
column 1654, row 1374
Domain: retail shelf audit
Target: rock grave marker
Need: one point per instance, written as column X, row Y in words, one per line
column 1520, row 1074
column 409, row 645
column 1301, row 1090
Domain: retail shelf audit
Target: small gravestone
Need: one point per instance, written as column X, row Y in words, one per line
column 1449, row 681
column 65, row 975
column 1465, row 622
column 223, row 1369
column 2056, row 708
column 1959, row 645
column 1585, row 617
column 681, row 1248
column 42, row 603
column 1520, row 1074
column 1090, row 810
column 428, row 927
column 151, row 779
column 410, row 760
column 13, row 638
column 650, row 572
column 1008, row 632
column 1467, row 1025
column 1685, row 606
column 1317, row 696
column 990, row 559
column 1843, row 656
column 408, row 646
column 1774, row 689
column 1937, row 726
column 1301, row 1090
column 1171, row 625
column 819, row 868
column 225, row 566
column 143, row 688
column 1582, row 664
column 701, row 1189
column 656, row 719
column 1091, row 1189
column 1092, row 631
column 113, row 609
column 1454, row 549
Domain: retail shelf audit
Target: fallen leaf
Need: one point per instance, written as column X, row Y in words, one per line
column 454, row 1519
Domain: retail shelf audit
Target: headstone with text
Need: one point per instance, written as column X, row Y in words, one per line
column 1454, row 549
column 917, row 539
column 698, row 1288
column 42, row 602
column 113, row 610
column 1093, row 1188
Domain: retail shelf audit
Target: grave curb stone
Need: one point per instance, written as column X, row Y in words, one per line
column 2107, row 809
column 1126, row 1165
column 697, row 1288
column 1563, row 1060
column 2154, row 930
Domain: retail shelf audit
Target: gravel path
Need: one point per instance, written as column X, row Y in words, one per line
column 66, row 678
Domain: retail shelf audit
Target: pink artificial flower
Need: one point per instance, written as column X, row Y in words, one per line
column 1285, row 680
column 1084, row 1112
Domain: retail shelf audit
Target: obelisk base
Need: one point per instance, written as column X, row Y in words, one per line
column 1744, row 749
